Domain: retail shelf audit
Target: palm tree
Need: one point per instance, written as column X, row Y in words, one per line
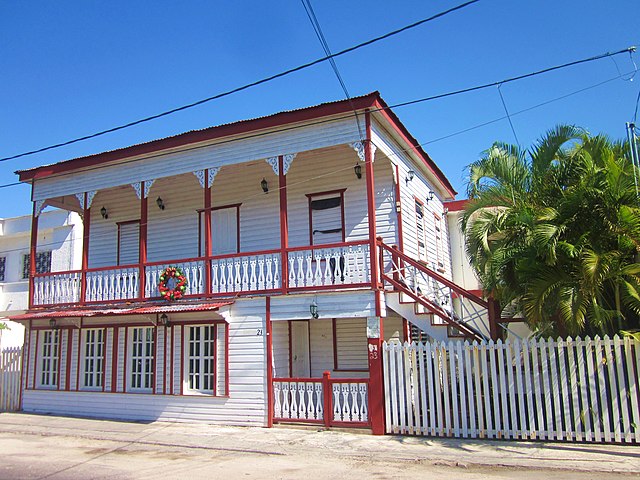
column 554, row 231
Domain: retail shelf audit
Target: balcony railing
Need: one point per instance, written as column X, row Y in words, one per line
column 335, row 266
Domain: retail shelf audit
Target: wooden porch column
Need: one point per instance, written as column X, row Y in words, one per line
column 371, row 203
column 143, row 238
column 207, row 232
column 284, row 226
column 376, row 379
column 32, row 251
column 86, row 221
column 269, row 344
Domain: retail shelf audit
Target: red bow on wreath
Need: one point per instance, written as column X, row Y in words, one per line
column 180, row 283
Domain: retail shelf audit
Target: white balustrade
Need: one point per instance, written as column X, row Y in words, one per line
column 350, row 402
column 298, row 400
column 56, row 288
column 316, row 267
column 245, row 273
column 120, row 283
column 193, row 272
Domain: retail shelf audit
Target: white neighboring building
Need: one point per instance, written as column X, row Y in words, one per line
column 59, row 249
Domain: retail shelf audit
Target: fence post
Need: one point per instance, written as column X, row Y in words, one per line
column 328, row 398
column 494, row 317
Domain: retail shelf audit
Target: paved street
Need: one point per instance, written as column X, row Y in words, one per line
column 39, row 447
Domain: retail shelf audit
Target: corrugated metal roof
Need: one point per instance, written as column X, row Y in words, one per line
column 138, row 310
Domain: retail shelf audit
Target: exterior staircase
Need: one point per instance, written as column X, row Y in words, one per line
column 431, row 302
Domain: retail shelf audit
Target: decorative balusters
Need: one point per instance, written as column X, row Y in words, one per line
column 112, row 284
column 321, row 267
column 56, row 288
column 302, row 400
column 193, row 271
column 245, row 273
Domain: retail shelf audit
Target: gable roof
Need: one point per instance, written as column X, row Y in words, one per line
column 372, row 101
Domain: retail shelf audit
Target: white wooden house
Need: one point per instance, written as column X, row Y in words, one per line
column 306, row 238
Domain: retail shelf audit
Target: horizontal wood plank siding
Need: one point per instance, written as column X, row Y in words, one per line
column 339, row 305
column 168, row 164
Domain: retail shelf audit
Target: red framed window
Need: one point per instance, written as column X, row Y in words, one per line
column 326, row 217
column 421, row 231
column 128, row 242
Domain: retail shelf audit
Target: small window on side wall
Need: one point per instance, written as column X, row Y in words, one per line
column 3, row 262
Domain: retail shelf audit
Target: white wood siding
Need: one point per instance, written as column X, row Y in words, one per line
column 64, row 340
column 159, row 372
column 393, row 329
column 34, row 345
column 193, row 158
column 246, row 404
column 108, row 359
column 336, row 305
column 73, row 372
column 351, row 344
column 121, row 376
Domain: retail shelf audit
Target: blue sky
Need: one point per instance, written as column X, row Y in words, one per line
column 71, row 68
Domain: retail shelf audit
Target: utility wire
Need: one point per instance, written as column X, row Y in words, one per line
column 508, row 116
column 246, row 86
column 379, row 156
column 325, row 46
column 397, row 105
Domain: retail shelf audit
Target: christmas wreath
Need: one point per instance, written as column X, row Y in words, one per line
column 172, row 284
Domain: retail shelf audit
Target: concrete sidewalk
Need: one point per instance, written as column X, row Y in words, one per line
column 298, row 444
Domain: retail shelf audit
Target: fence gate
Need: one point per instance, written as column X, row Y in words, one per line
column 571, row 390
column 10, row 368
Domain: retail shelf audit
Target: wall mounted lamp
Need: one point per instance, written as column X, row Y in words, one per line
column 264, row 185
column 160, row 203
column 358, row 170
column 409, row 177
column 103, row 212
column 429, row 197
column 164, row 320
column 52, row 323
column 313, row 309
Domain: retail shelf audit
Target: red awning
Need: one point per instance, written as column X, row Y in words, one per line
column 138, row 310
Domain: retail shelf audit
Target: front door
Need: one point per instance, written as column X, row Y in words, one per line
column 300, row 363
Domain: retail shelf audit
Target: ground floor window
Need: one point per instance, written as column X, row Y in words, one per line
column 201, row 359
column 93, row 358
column 50, row 341
column 142, row 356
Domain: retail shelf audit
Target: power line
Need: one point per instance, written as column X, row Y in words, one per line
column 397, row 105
column 379, row 156
column 246, row 86
column 325, row 46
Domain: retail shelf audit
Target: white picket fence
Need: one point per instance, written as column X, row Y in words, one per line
column 570, row 390
column 10, row 368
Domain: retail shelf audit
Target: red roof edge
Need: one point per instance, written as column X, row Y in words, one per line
column 210, row 133
column 457, row 205
column 389, row 114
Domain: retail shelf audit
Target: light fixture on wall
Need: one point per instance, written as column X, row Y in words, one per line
column 264, row 185
column 160, row 203
column 358, row 170
column 409, row 177
column 313, row 309
column 164, row 320
column 103, row 212
column 430, row 196
column 52, row 323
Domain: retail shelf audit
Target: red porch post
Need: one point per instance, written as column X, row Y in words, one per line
column 143, row 238
column 494, row 317
column 32, row 251
column 376, row 380
column 371, row 203
column 284, row 226
column 86, row 221
column 207, row 232
column 327, row 398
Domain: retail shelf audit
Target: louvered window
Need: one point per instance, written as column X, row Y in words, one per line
column 350, row 344
column 421, row 238
column 326, row 218
column 128, row 243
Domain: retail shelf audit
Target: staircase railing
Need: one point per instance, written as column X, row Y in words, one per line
column 465, row 313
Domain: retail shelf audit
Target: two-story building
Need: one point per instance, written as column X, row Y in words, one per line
column 60, row 248
column 245, row 273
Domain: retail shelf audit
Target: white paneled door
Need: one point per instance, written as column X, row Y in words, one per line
column 300, row 364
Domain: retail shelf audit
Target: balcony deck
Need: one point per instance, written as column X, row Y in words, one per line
column 321, row 267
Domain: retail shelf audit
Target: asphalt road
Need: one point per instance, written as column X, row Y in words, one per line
column 39, row 447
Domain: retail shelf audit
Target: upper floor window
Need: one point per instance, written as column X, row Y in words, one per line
column 439, row 232
column 421, row 231
column 129, row 242
column 326, row 217
column 225, row 230
column 3, row 262
column 142, row 356
column 93, row 358
column 50, row 341
column 43, row 263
